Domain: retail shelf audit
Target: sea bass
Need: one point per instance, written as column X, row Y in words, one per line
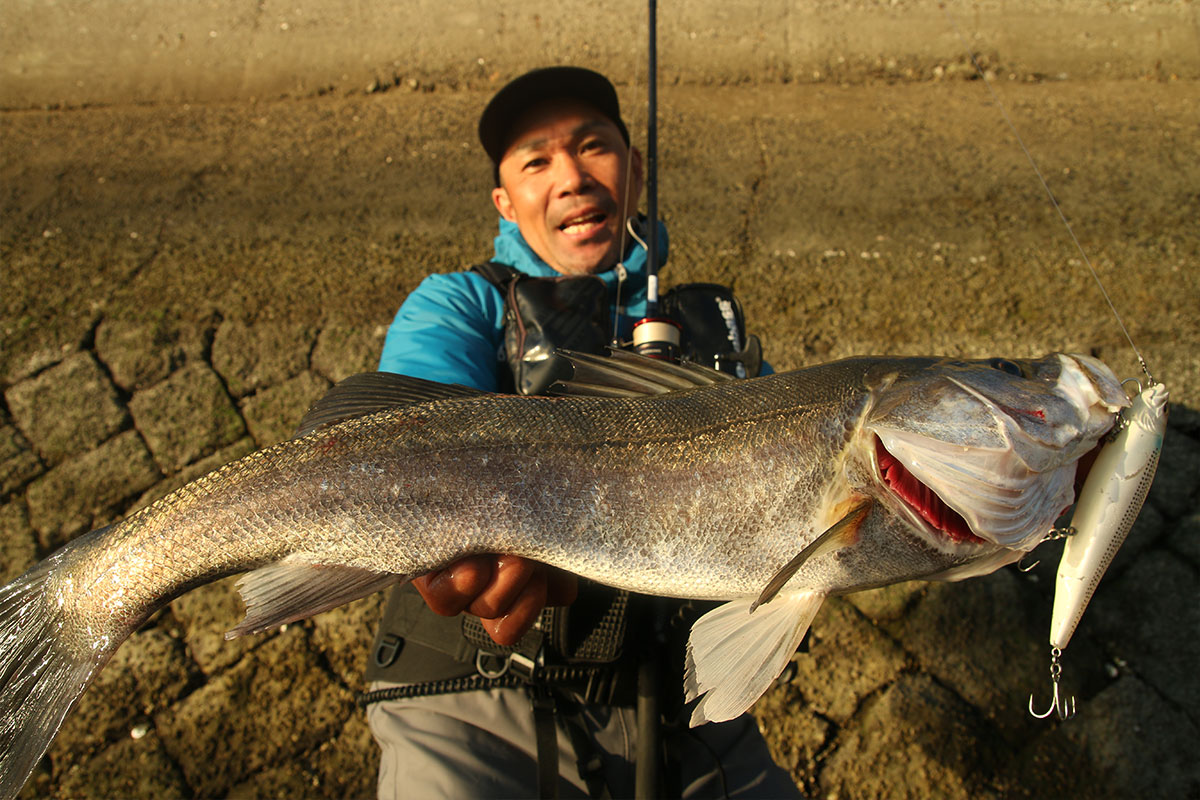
column 770, row 493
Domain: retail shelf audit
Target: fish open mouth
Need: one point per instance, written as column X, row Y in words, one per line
column 921, row 499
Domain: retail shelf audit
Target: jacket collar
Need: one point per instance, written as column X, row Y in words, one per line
column 512, row 249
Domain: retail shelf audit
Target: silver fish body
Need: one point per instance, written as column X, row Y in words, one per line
column 703, row 493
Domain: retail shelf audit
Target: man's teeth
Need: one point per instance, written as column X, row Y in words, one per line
column 576, row 225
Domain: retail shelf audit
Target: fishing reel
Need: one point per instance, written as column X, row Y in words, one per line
column 702, row 323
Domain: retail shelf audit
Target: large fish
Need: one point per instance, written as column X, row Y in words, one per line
column 771, row 493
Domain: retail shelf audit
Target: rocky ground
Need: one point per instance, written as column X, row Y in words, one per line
column 179, row 283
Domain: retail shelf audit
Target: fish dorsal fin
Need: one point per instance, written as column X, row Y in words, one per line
column 290, row 590
column 732, row 656
column 372, row 392
column 625, row 374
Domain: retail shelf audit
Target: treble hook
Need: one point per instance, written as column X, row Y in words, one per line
column 1065, row 710
column 1053, row 535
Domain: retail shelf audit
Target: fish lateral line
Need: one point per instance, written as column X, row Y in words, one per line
column 842, row 533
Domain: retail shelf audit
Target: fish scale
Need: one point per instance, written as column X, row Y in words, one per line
column 705, row 493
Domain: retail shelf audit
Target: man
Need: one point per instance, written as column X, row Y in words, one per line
column 567, row 186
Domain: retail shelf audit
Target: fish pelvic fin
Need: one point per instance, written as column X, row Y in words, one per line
column 45, row 665
column 732, row 657
column 292, row 589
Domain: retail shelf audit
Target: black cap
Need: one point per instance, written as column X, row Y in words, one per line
column 549, row 83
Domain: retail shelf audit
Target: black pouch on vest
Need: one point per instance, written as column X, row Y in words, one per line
column 714, row 328
column 545, row 314
column 413, row 645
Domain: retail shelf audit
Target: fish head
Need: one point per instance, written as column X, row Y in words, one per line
column 984, row 452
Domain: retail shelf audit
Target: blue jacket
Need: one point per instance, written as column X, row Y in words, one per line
column 450, row 328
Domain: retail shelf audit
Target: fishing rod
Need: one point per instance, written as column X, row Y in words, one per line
column 1119, row 479
column 652, row 162
column 658, row 337
column 653, row 335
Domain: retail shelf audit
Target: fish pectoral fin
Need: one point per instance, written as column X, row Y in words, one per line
column 732, row 657
column 290, row 590
column 371, row 392
column 841, row 534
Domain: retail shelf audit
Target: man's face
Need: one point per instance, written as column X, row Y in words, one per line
column 563, row 182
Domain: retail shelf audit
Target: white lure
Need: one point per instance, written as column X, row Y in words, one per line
column 1111, row 498
column 1109, row 503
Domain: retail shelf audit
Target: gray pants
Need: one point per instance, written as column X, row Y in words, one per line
column 482, row 744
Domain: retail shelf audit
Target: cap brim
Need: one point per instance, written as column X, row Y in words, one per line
column 523, row 93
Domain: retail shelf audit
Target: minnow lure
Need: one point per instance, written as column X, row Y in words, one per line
column 1109, row 503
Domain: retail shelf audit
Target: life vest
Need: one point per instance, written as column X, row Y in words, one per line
column 543, row 315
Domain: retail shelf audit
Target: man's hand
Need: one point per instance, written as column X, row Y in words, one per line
column 506, row 592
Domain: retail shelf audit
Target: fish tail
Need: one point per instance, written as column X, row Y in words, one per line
column 43, row 668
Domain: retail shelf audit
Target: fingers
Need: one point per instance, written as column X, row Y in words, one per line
column 451, row 590
column 510, row 577
column 506, row 592
column 520, row 615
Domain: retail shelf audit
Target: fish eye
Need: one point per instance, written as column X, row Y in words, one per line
column 1004, row 365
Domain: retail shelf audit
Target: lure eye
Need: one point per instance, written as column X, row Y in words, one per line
column 1004, row 365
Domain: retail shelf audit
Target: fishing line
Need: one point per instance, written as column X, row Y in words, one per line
column 1046, row 186
column 627, row 223
column 1117, row 482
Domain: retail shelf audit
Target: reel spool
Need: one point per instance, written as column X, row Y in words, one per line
column 657, row 337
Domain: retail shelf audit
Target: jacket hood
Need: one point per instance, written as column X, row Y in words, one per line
column 512, row 249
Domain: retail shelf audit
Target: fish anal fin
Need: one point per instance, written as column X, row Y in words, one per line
column 841, row 534
column 372, row 392
column 732, row 657
column 291, row 590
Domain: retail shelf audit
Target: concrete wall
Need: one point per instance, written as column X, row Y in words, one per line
column 77, row 52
